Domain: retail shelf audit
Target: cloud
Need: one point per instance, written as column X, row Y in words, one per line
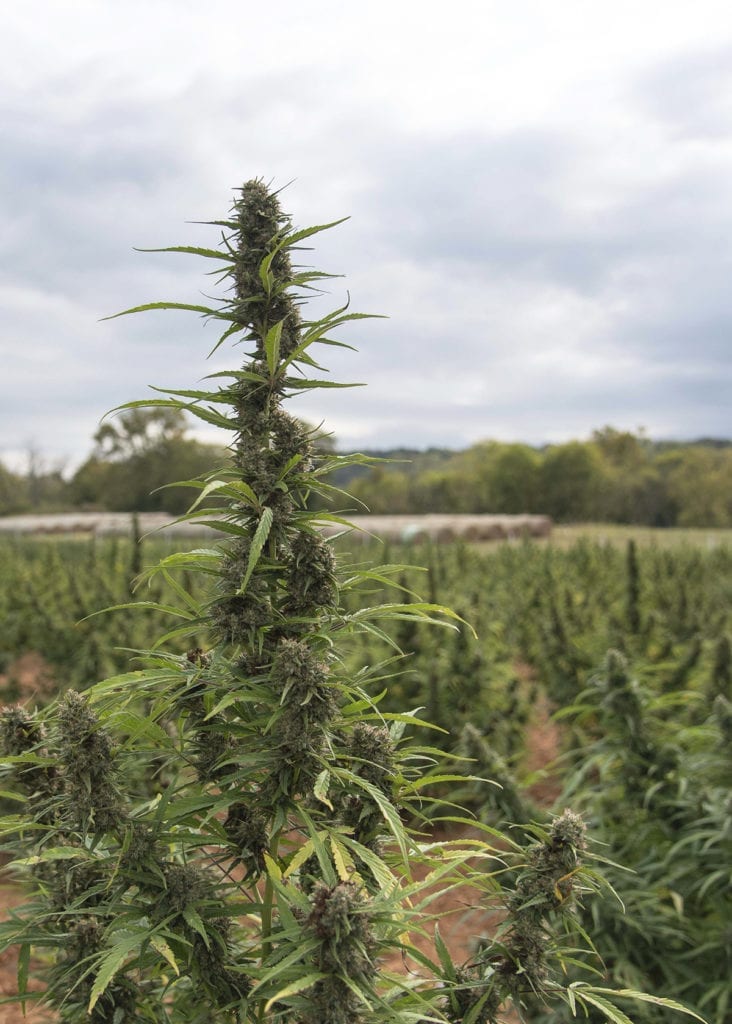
column 541, row 278
column 690, row 94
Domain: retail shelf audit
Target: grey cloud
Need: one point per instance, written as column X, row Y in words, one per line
column 487, row 249
column 518, row 205
column 690, row 94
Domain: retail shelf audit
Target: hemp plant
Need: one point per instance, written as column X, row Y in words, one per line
column 231, row 834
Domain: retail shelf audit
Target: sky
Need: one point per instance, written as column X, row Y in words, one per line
column 539, row 194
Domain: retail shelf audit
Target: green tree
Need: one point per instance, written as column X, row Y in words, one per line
column 136, row 432
column 136, row 459
column 699, row 481
column 572, row 482
column 634, row 487
column 513, row 479
column 14, row 496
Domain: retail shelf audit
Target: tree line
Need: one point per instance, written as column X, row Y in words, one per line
column 134, row 460
column 615, row 476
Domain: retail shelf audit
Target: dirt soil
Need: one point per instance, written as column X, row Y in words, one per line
column 462, row 921
column 11, row 896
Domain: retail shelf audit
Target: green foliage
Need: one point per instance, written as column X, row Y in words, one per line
column 137, row 457
column 615, row 477
column 52, row 586
column 654, row 780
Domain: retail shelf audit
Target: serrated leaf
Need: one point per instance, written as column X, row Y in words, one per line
column 293, row 237
column 206, row 310
column 341, row 858
column 320, row 789
column 612, row 1013
column 110, row 965
column 272, row 346
column 273, row 868
column 305, row 982
column 154, row 605
column 644, row 997
column 139, row 725
column 265, row 274
column 303, row 384
column 386, row 880
column 388, row 812
column 158, row 943
column 193, row 250
column 51, row 854
column 299, row 858
column 210, row 488
column 258, row 542
column 445, row 959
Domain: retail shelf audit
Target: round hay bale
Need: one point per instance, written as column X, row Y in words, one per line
column 413, row 533
column 493, row 531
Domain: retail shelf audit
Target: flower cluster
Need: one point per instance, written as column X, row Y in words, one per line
column 86, row 756
column 21, row 733
column 340, row 920
column 371, row 756
column 545, row 885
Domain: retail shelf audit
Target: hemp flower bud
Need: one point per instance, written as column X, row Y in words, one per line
column 85, row 753
column 246, row 829
column 19, row 732
column 312, row 582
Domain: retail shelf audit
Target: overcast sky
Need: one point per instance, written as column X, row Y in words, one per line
column 540, row 197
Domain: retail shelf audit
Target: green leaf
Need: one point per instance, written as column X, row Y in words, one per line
column 299, row 858
column 214, row 254
column 387, row 809
column 193, row 920
column 258, row 542
column 612, row 1013
column 320, row 789
column 206, row 310
column 22, row 975
column 476, row 1011
column 383, row 875
column 303, row 384
column 343, row 861
column 265, row 274
column 139, row 725
column 164, row 949
column 644, row 997
column 110, row 965
column 52, row 854
column 210, row 488
column 445, row 959
column 5, row 794
column 217, row 419
column 272, row 347
column 155, row 605
column 299, row 985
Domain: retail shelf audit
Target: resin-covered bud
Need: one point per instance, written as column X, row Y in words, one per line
column 312, row 583
column 86, row 756
column 246, row 829
column 261, row 223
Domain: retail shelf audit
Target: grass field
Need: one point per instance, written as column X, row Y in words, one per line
column 611, row 533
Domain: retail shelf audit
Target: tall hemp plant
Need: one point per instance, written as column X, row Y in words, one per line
column 232, row 834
